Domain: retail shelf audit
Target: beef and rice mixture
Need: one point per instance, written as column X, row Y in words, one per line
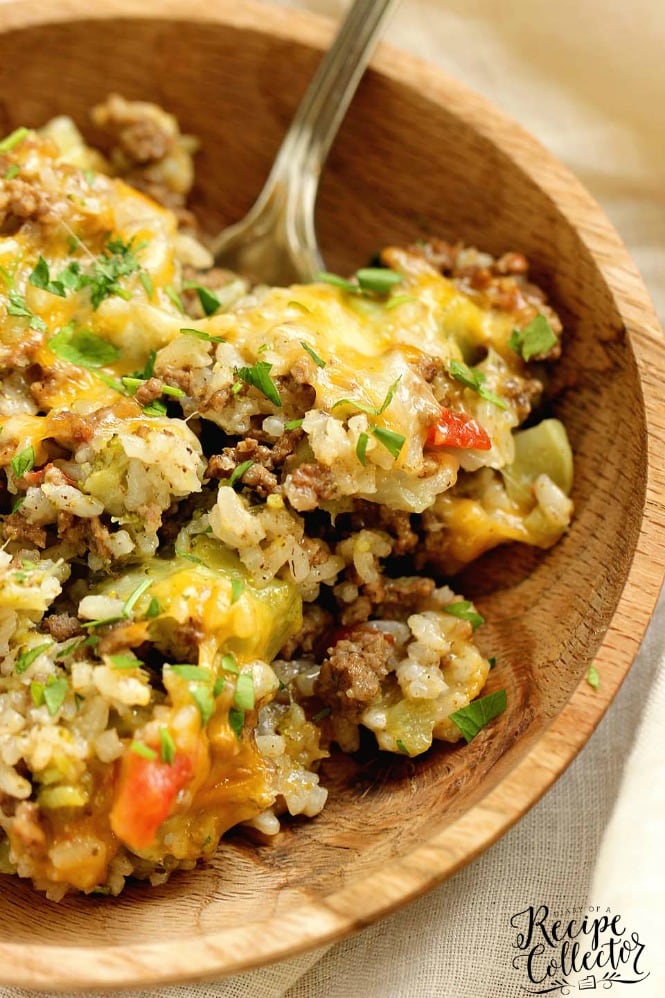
column 206, row 490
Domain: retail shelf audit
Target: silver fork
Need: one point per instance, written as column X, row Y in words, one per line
column 275, row 243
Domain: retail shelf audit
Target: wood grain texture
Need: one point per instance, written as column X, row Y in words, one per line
column 417, row 154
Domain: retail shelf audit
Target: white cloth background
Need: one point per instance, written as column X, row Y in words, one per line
column 588, row 78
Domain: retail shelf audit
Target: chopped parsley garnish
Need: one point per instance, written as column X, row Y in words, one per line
column 368, row 280
column 55, row 692
column 16, row 505
column 239, row 471
column 154, row 608
column 18, row 307
column 237, row 589
column 361, row 448
column 143, row 750
column 37, row 693
column 592, row 677
column 12, row 140
column 155, row 408
column 398, row 300
column 401, row 746
column 204, row 700
column 69, row 280
column 294, row 424
column 464, row 610
column 12, row 171
column 189, row 557
column 219, row 686
column 166, row 746
column 146, row 281
column 315, row 357
column 472, row 718
column 118, row 260
column 199, row 333
column 174, row 297
column 193, row 673
column 393, row 442
column 229, row 664
column 132, row 599
column 258, row 376
column 380, row 280
column 82, row 347
column 534, row 340
column 125, row 662
column 475, row 380
column 371, row 410
column 25, row 659
column 236, row 721
column 243, row 697
column 492, row 661
column 209, row 300
column 23, row 462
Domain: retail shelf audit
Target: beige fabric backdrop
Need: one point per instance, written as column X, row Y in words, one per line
column 588, row 78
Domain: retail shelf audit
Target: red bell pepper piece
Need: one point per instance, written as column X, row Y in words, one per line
column 455, row 430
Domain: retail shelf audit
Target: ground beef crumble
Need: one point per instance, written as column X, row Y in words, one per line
column 352, row 670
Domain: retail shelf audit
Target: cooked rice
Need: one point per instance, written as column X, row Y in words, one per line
column 205, row 489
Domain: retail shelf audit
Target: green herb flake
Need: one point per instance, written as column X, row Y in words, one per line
column 396, row 300
column 54, row 694
column 166, row 746
column 174, row 297
column 37, row 693
column 379, row 280
column 239, row 471
column 475, row 380
column 463, row 609
column 472, row 718
column 210, row 303
column 155, row 408
column 370, row 410
column 320, row 714
column 83, row 348
column 118, row 260
column 402, row 747
column 534, row 340
column 13, row 139
column 492, row 661
column 134, row 596
column 146, row 281
column 361, row 448
column 125, row 662
column 204, row 700
column 16, row 505
column 315, row 357
column 236, row 721
column 237, row 589
column 393, row 442
column 143, row 750
column 229, row 664
column 25, row 659
column 258, row 376
column 220, row 682
column 18, row 307
column 593, row 677
column 12, row 171
column 201, row 335
column 193, row 673
column 243, row 698
column 41, row 278
column 189, row 557
column 23, row 462
column 325, row 277
column 294, row 424
column 154, row 608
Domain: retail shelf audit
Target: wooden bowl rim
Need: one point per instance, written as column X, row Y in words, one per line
column 408, row 876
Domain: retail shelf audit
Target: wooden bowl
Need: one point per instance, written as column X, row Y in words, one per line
column 418, row 153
